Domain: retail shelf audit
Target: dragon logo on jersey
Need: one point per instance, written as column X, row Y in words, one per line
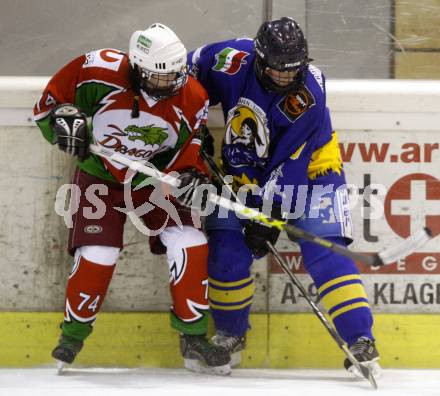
column 295, row 105
column 246, row 125
column 151, row 136
column 229, row 60
column 148, row 134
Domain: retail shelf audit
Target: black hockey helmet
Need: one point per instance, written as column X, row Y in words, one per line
column 280, row 45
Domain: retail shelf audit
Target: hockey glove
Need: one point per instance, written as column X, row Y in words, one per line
column 190, row 180
column 256, row 235
column 70, row 127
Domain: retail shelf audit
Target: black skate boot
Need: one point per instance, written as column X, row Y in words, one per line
column 233, row 344
column 366, row 353
column 201, row 356
column 66, row 351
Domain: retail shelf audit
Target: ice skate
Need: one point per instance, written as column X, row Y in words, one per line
column 201, row 356
column 233, row 344
column 66, row 351
column 366, row 353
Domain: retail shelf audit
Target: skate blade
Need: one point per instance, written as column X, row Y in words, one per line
column 61, row 366
column 198, row 367
column 235, row 359
column 373, row 366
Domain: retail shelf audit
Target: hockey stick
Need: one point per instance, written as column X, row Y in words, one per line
column 378, row 259
column 385, row 257
column 366, row 373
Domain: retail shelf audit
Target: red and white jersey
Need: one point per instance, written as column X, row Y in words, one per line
column 163, row 133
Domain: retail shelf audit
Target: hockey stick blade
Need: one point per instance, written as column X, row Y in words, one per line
column 365, row 371
column 405, row 248
column 386, row 257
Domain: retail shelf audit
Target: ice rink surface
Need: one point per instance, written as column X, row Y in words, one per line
column 243, row 382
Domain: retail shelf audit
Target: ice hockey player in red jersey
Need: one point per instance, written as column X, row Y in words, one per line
column 142, row 105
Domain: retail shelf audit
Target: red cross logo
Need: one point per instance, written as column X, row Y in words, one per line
column 413, row 202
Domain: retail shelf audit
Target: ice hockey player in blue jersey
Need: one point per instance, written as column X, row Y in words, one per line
column 279, row 136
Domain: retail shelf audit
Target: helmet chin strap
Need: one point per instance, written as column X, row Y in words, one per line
column 135, row 85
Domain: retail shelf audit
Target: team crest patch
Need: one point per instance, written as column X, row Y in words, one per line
column 295, row 105
column 229, row 60
column 247, row 125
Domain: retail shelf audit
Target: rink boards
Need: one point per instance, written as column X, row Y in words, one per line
column 275, row 341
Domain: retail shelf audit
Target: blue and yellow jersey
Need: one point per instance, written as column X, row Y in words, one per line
column 287, row 139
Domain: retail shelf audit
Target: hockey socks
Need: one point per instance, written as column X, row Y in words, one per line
column 86, row 288
column 231, row 287
column 188, row 286
column 341, row 291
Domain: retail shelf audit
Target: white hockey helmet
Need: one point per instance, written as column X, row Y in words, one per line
column 160, row 58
